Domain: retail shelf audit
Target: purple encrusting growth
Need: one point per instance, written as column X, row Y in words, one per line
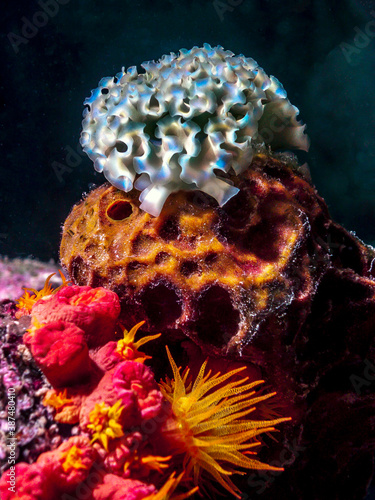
column 36, row 431
column 18, row 273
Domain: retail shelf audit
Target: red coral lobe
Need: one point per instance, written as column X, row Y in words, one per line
column 60, row 349
column 69, row 464
column 131, row 377
column 94, row 310
column 30, row 484
column 116, row 488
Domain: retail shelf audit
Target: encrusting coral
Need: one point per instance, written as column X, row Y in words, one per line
column 63, row 362
column 207, row 420
column 94, row 310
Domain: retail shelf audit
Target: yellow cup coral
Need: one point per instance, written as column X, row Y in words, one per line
column 27, row 300
column 104, row 422
column 209, row 426
column 129, row 350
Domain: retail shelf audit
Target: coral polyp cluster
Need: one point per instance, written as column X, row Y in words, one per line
column 102, row 386
column 185, row 122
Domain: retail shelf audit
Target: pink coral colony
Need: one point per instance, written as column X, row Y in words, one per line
column 136, row 438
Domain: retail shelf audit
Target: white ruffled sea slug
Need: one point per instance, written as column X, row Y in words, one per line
column 186, row 121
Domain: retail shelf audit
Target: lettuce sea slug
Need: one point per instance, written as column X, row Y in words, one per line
column 185, row 122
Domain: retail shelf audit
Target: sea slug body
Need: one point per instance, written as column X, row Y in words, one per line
column 185, row 122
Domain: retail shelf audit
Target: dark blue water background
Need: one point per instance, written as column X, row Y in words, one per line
column 322, row 51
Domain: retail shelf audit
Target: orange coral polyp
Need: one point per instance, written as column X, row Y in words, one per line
column 73, row 459
column 148, row 462
column 104, row 421
column 129, row 350
column 87, row 297
column 209, row 425
column 57, row 400
column 167, row 490
column 26, row 302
